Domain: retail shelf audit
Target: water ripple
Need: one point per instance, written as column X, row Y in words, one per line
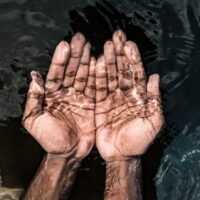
column 168, row 35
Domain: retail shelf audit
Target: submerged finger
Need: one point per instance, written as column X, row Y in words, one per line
column 90, row 87
column 132, row 53
column 76, row 45
column 57, row 67
column 124, row 79
column 136, row 66
column 119, row 39
column 101, row 80
column 153, row 85
column 154, row 103
column 83, row 69
column 111, row 65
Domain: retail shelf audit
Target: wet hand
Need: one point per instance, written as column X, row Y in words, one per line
column 59, row 112
column 128, row 111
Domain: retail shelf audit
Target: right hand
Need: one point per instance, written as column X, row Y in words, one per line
column 59, row 113
column 128, row 112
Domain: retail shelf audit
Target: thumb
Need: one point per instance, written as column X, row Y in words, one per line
column 153, row 85
column 34, row 100
column 154, row 103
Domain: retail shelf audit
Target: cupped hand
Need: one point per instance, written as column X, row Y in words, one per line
column 59, row 112
column 128, row 111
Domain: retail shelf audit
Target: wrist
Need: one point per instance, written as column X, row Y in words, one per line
column 54, row 158
column 61, row 163
column 123, row 179
column 126, row 167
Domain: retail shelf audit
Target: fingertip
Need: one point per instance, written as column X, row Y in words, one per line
column 77, row 45
column 64, row 44
column 153, row 84
column 119, row 38
column 79, row 36
column 100, row 61
column 88, row 45
column 130, row 44
column 109, row 53
column 77, row 41
column 155, row 78
column 86, row 49
column 127, row 51
column 108, row 44
column 61, row 53
column 108, row 48
column 37, row 83
column 132, row 52
column 92, row 61
column 85, row 58
column 119, row 35
column 35, row 74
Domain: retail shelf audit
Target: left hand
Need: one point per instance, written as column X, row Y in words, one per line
column 59, row 113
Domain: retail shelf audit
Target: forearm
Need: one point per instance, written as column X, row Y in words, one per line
column 68, row 178
column 123, row 180
column 48, row 183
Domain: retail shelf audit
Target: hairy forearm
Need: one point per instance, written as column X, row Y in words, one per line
column 69, row 176
column 123, row 180
column 48, row 183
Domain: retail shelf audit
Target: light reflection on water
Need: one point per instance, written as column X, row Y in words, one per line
column 168, row 36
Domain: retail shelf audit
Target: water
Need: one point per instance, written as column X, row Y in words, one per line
column 168, row 35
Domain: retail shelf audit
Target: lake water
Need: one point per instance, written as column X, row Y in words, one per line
column 168, row 35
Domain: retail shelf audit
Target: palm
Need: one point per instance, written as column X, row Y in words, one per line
column 121, row 134
column 73, row 108
column 67, row 120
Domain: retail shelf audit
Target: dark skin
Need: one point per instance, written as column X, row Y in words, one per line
column 128, row 115
column 59, row 114
column 84, row 102
column 61, row 109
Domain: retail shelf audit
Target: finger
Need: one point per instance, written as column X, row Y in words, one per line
column 154, row 102
column 90, row 87
column 101, row 80
column 119, row 39
column 110, row 60
column 82, row 72
column 153, row 85
column 56, row 71
column 34, row 99
column 139, row 77
column 76, row 45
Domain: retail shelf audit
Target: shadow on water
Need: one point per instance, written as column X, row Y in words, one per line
column 98, row 24
column 167, row 33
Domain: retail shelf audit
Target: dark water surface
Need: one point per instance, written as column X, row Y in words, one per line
column 168, row 35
